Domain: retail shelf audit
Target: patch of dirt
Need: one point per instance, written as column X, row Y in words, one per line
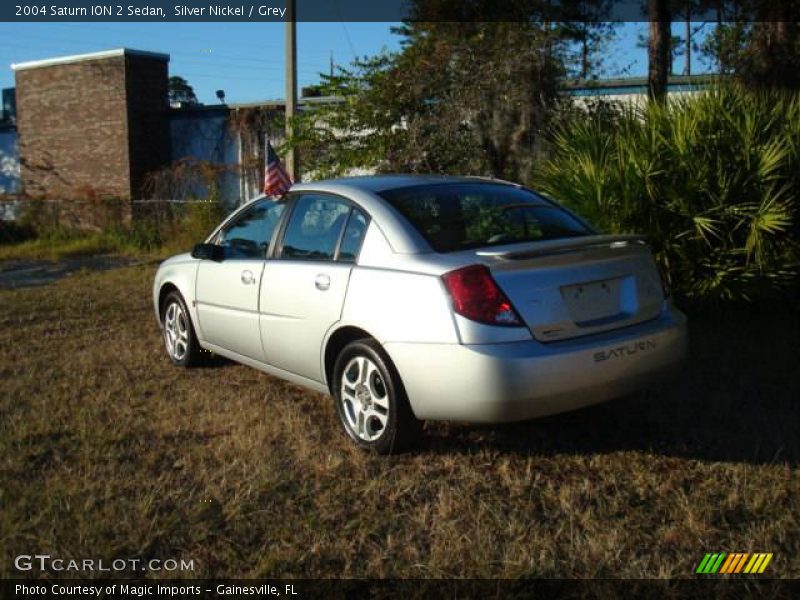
column 26, row 273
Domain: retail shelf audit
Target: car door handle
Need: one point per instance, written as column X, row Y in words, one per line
column 248, row 277
column 322, row 282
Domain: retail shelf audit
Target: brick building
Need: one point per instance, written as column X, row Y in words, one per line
column 92, row 126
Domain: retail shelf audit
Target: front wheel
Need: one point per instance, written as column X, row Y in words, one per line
column 370, row 400
column 179, row 337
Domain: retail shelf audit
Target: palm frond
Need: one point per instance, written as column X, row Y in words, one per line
column 709, row 178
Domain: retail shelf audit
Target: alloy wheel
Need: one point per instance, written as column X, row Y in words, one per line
column 364, row 398
column 176, row 331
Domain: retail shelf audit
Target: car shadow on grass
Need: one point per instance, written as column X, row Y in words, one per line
column 737, row 399
column 213, row 361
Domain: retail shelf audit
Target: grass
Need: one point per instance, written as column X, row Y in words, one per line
column 55, row 248
column 82, row 245
column 39, row 237
column 108, row 451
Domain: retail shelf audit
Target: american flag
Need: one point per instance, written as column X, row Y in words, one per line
column 276, row 179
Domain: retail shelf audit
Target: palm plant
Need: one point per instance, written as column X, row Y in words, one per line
column 710, row 178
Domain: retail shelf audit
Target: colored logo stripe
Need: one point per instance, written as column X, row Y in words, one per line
column 736, row 562
column 742, row 560
column 726, row 566
column 758, row 563
column 711, row 563
column 701, row 568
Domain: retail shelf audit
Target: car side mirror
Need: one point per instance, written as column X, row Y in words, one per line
column 208, row 252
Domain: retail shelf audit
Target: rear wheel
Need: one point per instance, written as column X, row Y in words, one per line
column 179, row 337
column 370, row 400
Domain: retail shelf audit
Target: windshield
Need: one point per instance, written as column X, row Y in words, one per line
column 461, row 216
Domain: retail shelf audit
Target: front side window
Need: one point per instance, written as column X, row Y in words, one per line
column 248, row 236
column 461, row 216
column 314, row 227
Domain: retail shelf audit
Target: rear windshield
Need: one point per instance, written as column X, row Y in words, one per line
column 461, row 216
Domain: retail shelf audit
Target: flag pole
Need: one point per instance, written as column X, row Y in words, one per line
column 292, row 163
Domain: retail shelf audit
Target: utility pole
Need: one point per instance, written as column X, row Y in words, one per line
column 292, row 162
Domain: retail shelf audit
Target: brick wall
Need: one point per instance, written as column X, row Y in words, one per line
column 91, row 127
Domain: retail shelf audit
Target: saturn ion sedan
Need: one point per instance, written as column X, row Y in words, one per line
column 412, row 298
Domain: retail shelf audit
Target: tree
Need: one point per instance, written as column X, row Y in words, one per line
column 689, row 10
column 460, row 97
column 491, row 84
column 592, row 39
column 687, row 48
column 658, row 49
column 774, row 57
column 758, row 43
column 677, row 48
column 591, row 32
column 180, row 92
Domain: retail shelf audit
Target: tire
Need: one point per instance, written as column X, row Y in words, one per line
column 180, row 340
column 370, row 400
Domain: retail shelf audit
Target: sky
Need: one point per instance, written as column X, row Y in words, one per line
column 246, row 60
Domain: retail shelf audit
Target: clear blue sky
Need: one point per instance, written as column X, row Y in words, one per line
column 244, row 59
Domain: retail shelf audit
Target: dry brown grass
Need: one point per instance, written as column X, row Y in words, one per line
column 108, row 451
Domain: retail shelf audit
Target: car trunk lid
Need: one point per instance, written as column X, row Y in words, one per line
column 578, row 286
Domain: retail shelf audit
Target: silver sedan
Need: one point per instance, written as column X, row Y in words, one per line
column 411, row 298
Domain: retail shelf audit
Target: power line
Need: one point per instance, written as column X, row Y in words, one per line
column 227, row 57
column 204, row 40
column 181, row 62
column 349, row 41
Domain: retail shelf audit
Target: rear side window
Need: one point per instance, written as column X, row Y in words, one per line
column 314, row 228
column 454, row 217
column 353, row 236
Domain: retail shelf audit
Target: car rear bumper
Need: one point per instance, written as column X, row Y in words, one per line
column 493, row 383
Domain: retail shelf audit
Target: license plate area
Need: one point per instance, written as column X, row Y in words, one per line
column 595, row 302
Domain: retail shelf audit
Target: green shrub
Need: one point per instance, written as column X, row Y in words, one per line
column 170, row 228
column 711, row 179
column 193, row 224
column 48, row 230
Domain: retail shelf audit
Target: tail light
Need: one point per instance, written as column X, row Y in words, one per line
column 476, row 296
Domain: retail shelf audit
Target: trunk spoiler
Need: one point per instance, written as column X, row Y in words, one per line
column 563, row 246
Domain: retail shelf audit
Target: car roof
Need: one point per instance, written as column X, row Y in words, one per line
column 402, row 236
column 380, row 183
